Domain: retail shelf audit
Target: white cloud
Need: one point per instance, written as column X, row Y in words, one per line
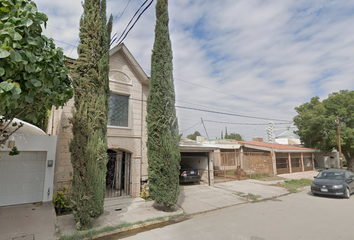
column 276, row 54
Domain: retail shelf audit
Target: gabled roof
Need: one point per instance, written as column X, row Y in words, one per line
column 131, row 60
column 276, row 147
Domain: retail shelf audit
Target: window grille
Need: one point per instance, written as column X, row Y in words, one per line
column 118, row 110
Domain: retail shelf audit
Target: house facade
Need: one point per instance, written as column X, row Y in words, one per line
column 258, row 157
column 126, row 131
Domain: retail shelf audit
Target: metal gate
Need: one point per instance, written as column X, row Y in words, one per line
column 118, row 175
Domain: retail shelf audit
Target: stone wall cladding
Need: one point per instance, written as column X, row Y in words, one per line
column 131, row 139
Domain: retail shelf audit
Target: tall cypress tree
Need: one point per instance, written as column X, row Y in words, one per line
column 162, row 126
column 89, row 144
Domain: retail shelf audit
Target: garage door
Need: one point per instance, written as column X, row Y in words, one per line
column 22, row 178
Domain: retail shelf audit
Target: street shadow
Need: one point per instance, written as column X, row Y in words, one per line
column 325, row 196
column 161, row 207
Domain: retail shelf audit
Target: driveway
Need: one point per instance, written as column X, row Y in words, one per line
column 27, row 222
column 300, row 175
column 201, row 198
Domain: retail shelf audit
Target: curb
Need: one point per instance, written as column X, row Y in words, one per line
column 126, row 229
column 136, row 226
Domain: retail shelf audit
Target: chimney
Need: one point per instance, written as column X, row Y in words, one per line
column 257, row 139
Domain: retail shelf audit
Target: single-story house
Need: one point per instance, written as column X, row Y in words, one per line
column 258, row 157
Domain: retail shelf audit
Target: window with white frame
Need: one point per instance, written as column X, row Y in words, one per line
column 118, row 110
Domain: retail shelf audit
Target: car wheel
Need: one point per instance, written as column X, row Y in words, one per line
column 347, row 193
column 315, row 194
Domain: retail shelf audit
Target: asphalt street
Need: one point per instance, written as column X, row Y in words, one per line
column 295, row 216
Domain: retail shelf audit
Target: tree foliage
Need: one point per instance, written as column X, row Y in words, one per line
column 316, row 123
column 162, row 126
column 90, row 114
column 194, row 135
column 32, row 70
column 234, row 136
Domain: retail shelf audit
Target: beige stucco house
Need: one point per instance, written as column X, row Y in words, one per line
column 127, row 164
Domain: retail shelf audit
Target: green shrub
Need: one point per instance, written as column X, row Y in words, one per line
column 144, row 191
column 61, row 201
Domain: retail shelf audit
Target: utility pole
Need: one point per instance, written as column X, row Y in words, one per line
column 205, row 129
column 339, row 144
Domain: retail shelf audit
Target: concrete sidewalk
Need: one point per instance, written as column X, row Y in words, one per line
column 23, row 223
column 193, row 199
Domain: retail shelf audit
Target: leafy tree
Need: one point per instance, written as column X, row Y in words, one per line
column 316, row 123
column 162, row 126
column 90, row 114
column 42, row 118
column 235, row 136
column 194, row 135
column 32, row 70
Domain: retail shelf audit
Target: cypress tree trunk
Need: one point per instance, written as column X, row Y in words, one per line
column 89, row 144
column 163, row 137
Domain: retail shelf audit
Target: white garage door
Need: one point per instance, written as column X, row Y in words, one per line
column 22, row 177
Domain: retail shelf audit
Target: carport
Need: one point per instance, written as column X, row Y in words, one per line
column 200, row 157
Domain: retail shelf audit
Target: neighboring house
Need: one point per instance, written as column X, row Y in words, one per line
column 288, row 137
column 286, row 158
column 258, row 157
column 127, row 153
column 27, row 177
column 327, row 160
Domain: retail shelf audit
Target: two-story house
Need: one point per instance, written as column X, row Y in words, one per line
column 127, row 154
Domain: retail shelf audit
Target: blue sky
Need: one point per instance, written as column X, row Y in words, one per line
column 251, row 58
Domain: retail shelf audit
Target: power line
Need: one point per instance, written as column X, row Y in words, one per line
column 212, row 89
column 201, row 110
column 192, row 126
column 116, row 17
column 206, row 132
column 64, row 43
column 77, row 40
column 232, row 95
column 232, row 114
column 61, row 29
column 123, row 35
column 208, row 107
column 235, row 123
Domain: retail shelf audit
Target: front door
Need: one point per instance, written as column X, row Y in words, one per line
column 118, row 174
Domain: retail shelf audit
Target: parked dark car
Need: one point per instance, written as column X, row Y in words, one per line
column 188, row 174
column 333, row 182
